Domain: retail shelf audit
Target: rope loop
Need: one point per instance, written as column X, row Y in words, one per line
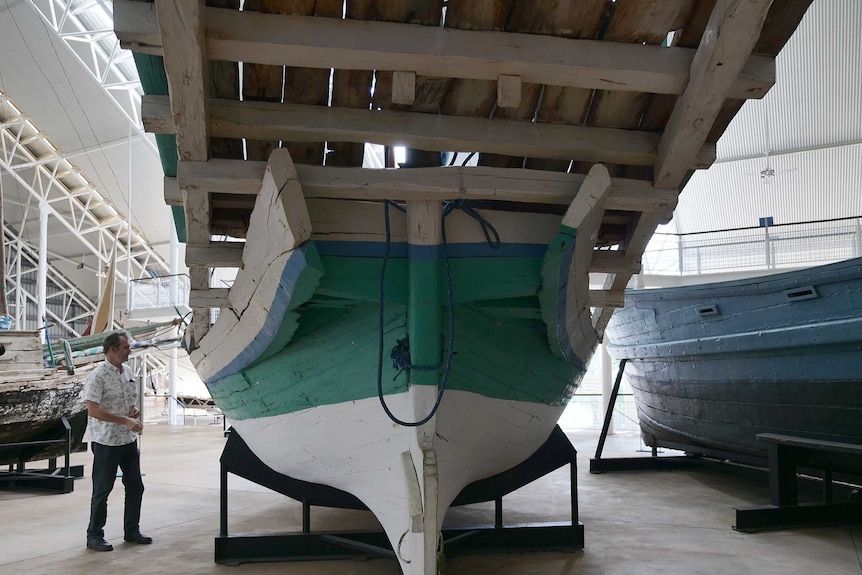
column 487, row 228
column 400, row 354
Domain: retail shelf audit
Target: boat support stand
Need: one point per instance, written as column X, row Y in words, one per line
column 239, row 460
column 608, row 464
column 787, row 454
column 52, row 478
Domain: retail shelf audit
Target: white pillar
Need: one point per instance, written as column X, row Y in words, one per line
column 42, row 272
column 129, row 234
column 20, row 301
column 172, row 362
column 142, row 386
column 607, row 383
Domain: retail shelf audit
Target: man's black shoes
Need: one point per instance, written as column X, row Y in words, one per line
column 99, row 544
column 138, row 537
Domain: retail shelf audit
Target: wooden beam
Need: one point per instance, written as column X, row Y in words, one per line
column 472, row 183
column 509, row 91
column 403, row 87
column 208, row 297
column 606, row 298
column 136, row 24
column 199, row 278
column 173, row 195
column 613, row 262
column 312, row 42
column 303, row 123
column 636, row 244
column 726, row 45
column 216, row 254
column 182, row 30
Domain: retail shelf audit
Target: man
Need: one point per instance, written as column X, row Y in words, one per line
column 111, row 396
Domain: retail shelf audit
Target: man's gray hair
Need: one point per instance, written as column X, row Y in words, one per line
column 113, row 339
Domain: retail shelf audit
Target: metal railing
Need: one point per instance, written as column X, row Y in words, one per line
column 159, row 292
column 782, row 246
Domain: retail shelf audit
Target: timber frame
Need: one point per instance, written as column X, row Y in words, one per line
column 539, row 90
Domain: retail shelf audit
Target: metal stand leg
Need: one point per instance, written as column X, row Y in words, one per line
column 610, row 412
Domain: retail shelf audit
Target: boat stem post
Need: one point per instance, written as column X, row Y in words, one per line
column 610, row 411
column 424, row 325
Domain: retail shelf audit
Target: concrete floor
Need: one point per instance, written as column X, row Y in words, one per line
column 635, row 523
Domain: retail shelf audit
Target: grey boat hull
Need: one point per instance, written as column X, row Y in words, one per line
column 712, row 366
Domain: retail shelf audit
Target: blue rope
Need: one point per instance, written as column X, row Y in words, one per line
column 400, row 354
column 467, row 209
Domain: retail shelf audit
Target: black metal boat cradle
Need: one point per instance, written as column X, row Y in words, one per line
column 52, row 478
column 239, row 460
column 787, row 454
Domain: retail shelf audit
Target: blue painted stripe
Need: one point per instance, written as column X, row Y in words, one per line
column 431, row 253
column 278, row 307
column 563, row 302
column 400, row 249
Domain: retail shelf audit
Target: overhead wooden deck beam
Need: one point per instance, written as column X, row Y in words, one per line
column 311, row 42
column 302, row 123
column 733, row 30
column 471, row 183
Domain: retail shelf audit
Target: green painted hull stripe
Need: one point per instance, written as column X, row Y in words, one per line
column 333, row 359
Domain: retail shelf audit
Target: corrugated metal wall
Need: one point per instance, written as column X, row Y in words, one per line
column 810, row 122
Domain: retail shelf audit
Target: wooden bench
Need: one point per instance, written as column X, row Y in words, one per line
column 786, row 455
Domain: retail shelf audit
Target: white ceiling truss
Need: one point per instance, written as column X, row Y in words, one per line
column 69, row 307
column 56, row 185
column 86, row 30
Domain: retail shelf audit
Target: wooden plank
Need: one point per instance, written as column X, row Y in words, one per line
column 199, row 278
column 509, row 91
column 473, row 183
column 181, row 23
column 607, row 298
column 403, row 87
column 216, row 254
column 296, row 122
column 173, row 195
column 636, row 243
column 585, row 215
column 306, row 41
column 137, row 26
column 198, row 212
column 208, row 297
column 614, row 262
column 352, row 89
column 727, row 42
column 581, row 20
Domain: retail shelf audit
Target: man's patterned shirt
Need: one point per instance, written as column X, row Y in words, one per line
column 116, row 392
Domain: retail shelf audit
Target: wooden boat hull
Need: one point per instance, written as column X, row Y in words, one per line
column 471, row 385
column 712, row 366
column 31, row 410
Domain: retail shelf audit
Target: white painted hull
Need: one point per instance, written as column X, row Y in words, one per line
column 353, row 446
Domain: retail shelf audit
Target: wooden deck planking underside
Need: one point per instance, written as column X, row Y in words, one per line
column 622, row 23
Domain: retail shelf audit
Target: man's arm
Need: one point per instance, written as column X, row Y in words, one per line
column 99, row 412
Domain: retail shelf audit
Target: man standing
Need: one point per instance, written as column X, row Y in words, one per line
column 112, row 396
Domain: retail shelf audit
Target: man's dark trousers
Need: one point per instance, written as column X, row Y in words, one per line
column 106, row 459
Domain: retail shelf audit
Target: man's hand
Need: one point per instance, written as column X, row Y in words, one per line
column 133, row 424
column 134, row 413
